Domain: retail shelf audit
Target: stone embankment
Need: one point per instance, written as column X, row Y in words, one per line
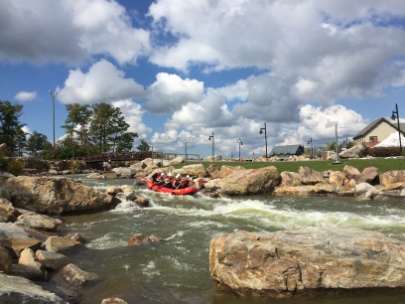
column 236, row 180
column 35, row 261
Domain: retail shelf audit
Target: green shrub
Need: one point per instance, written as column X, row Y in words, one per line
column 382, row 151
column 15, row 167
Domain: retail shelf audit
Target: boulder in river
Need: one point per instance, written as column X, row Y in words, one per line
column 56, row 195
column 306, row 260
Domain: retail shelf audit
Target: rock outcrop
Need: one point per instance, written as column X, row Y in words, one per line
column 307, row 260
column 56, row 195
column 250, row 181
column 353, row 152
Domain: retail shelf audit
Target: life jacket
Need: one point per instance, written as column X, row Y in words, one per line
column 176, row 182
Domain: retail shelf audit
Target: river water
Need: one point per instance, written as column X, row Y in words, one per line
column 176, row 270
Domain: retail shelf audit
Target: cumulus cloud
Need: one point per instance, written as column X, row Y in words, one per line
column 210, row 112
column 133, row 114
column 103, row 83
column 25, row 96
column 169, row 93
column 330, row 50
column 68, row 31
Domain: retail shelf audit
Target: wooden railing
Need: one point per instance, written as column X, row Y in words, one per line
column 135, row 156
column 127, row 156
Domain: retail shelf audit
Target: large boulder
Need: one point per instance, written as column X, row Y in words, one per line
column 228, row 170
column 312, row 259
column 57, row 195
column 290, row 179
column 124, row 171
column 197, row 170
column 176, row 161
column 7, row 211
column 252, row 181
column 5, row 260
column 16, row 289
column 309, row 176
column 294, row 191
column 39, row 221
column 392, row 177
column 353, row 152
column 369, row 175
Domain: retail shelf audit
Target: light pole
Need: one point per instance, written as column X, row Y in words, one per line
column 395, row 115
column 310, row 142
column 213, row 144
column 53, row 96
column 265, row 136
column 240, row 144
column 336, row 162
column 185, row 149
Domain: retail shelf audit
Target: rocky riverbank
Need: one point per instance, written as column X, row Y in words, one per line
column 35, row 248
column 236, row 180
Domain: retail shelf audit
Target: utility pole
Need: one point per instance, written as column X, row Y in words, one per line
column 53, row 96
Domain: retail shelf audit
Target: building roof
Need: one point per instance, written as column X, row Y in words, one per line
column 286, row 150
column 375, row 123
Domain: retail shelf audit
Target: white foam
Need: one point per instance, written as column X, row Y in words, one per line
column 107, row 241
column 125, row 207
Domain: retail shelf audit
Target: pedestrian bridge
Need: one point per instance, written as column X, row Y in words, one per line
column 135, row 156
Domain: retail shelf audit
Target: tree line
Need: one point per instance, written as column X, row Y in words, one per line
column 95, row 129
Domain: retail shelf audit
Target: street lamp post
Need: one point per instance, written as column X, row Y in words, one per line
column 395, row 115
column 310, row 142
column 213, row 144
column 240, row 143
column 336, row 162
column 265, row 136
column 185, row 150
column 53, row 96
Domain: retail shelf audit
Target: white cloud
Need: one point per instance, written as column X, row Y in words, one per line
column 330, row 50
column 133, row 114
column 169, row 93
column 103, row 83
column 68, row 31
column 210, row 112
column 238, row 90
column 25, row 96
column 320, row 123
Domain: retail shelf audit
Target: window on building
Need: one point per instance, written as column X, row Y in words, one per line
column 373, row 138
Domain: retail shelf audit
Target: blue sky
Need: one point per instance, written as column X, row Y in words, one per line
column 180, row 70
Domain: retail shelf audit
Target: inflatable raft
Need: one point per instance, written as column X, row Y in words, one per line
column 182, row 191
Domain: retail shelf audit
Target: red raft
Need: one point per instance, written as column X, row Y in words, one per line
column 182, row 191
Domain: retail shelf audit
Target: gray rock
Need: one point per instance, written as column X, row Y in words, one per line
column 76, row 276
column 124, row 171
column 18, row 290
column 51, row 260
column 39, row 221
column 60, row 244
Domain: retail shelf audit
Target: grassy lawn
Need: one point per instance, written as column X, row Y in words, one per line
column 382, row 164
